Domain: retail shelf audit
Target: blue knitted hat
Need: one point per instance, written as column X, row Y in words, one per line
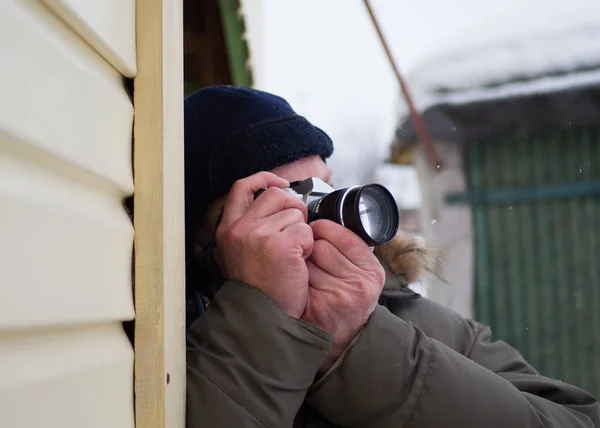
column 232, row 133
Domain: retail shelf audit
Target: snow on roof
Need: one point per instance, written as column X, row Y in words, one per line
column 508, row 56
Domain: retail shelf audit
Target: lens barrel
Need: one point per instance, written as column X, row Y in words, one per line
column 370, row 211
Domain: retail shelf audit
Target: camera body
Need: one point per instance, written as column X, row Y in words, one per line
column 311, row 191
column 369, row 210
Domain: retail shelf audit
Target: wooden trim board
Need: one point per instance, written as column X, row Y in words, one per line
column 159, row 216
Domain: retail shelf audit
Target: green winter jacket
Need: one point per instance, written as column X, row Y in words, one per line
column 415, row 364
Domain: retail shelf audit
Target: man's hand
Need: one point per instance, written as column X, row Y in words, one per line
column 265, row 242
column 345, row 280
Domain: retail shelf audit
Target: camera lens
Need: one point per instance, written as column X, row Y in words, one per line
column 370, row 211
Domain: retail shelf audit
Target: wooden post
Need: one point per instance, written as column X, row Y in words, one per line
column 159, row 216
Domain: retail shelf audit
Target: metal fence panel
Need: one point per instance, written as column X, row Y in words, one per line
column 536, row 202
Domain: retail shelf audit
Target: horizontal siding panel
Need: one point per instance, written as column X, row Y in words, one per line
column 67, row 378
column 66, row 245
column 108, row 26
column 66, row 241
column 60, row 97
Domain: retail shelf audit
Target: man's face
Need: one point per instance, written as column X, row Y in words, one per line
column 305, row 168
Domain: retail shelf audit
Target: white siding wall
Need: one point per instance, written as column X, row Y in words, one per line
column 65, row 240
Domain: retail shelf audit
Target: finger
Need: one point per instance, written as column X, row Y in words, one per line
column 274, row 200
column 300, row 235
column 347, row 242
column 326, row 256
column 242, row 193
column 282, row 220
column 317, row 276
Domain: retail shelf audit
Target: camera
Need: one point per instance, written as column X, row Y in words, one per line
column 368, row 210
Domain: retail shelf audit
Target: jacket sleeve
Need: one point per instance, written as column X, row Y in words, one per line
column 396, row 375
column 249, row 364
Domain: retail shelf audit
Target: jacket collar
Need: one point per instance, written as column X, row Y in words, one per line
column 395, row 286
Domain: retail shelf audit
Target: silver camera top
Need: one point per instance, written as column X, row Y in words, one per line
column 309, row 189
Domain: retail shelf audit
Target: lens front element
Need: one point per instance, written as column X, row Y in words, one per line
column 378, row 213
column 370, row 211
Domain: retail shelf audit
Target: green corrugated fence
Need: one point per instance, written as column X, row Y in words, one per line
column 536, row 203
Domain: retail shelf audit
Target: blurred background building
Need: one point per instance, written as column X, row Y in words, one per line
column 516, row 122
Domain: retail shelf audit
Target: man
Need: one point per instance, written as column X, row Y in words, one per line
column 298, row 332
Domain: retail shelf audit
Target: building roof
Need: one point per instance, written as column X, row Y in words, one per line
column 470, row 89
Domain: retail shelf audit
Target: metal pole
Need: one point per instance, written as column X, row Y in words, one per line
column 417, row 119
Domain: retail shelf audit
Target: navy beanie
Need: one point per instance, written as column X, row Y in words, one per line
column 232, row 133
